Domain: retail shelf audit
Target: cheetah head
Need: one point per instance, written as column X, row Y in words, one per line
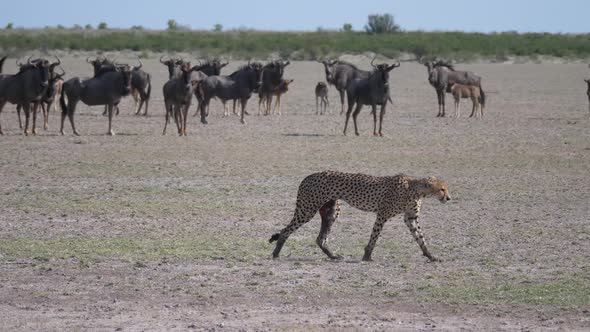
column 437, row 188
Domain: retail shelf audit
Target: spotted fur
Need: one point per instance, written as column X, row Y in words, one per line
column 386, row 196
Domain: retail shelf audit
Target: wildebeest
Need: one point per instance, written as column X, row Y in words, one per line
column 141, row 82
column 272, row 76
column 26, row 88
column 321, row 96
column 339, row 74
column 209, row 68
column 239, row 85
column 49, row 98
column 466, row 91
column 439, row 75
column 588, row 91
column 178, row 93
column 373, row 90
column 106, row 89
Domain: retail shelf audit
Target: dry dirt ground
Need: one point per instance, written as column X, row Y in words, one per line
column 148, row 232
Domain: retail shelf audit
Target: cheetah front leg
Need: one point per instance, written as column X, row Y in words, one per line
column 374, row 236
column 329, row 213
column 411, row 220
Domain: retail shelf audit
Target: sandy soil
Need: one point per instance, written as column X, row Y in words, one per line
column 148, row 232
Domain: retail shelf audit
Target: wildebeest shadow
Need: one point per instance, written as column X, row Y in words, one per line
column 304, row 135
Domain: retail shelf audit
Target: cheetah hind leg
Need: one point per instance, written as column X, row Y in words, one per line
column 329, row 213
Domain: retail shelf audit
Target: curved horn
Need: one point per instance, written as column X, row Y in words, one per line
column 58, row 61
column 18, row 63
column 162, row 62
column 63, row 72
column 29, row 60
column 372, row 65
column 88, row 60
column 140, row 64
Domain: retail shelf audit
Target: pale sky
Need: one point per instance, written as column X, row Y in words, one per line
column 564, row 16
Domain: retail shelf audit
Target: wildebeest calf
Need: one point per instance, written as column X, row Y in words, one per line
column 321, row 96
column 466, row 91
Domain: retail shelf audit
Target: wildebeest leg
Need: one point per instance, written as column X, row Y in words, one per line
column 45, row 110
column 341, row 101
column 110, row 109
column 168, row 109
column 457, row 107
column 225, row 108
column 474, row 109
column 277, row 104
column 441, row 103
column 69, row 111
column 374, row 236
column 317, row 105
column 204, row 107
column 234, row 107
column 374, row 111
column 20, row 122
column 348, row 112
column 178, row 117
column 34, row 111
column 381, row 115
column 104, row 113
column 27, row 109
column 2, row 103
column 185, row 118
column 135, row 95
column 329, row 213
column 243, row 101
column 357, row 110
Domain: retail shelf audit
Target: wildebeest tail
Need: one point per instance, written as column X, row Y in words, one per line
column 482, row 98
column 62, row 102
column 274, row 238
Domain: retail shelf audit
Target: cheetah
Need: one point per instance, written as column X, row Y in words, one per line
column 387, row 196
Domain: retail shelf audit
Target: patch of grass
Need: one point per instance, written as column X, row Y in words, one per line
column 199, row 247
column 568, row 293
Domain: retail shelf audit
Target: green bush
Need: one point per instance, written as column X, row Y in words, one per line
column 303, row 45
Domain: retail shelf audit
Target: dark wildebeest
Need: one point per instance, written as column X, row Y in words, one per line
column 439, row 75
column 321, row 96
column 26, row 88
column 588, row 91
column 373, row 90
column 141, row 82
column 340, row 73
column 49, row 98
column 209, row 68
column 178, row 93
column 106, row 89
column 238, row 85
column 272, row 76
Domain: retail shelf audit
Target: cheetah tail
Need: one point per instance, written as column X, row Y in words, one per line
column 274, row 237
